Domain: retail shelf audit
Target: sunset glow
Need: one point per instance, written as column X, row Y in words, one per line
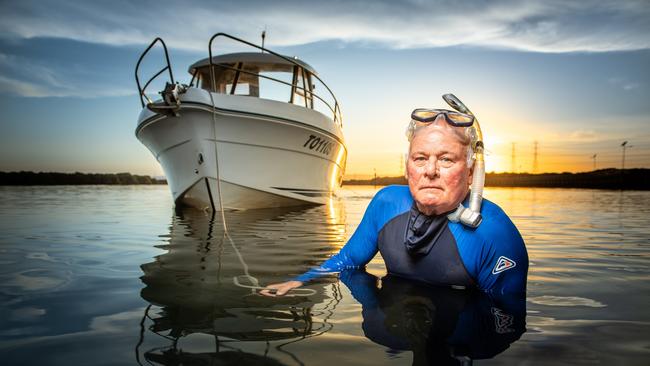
column 550, row 99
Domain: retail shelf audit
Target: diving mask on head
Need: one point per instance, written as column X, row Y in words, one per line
column 453, row 118
column 470, row 216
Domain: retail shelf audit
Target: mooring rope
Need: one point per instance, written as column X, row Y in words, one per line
column 216, row 157
column 255, row 283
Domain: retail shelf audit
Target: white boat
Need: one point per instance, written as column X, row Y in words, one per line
column 249, row 131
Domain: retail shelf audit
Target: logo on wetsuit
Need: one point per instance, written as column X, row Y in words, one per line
column 503, row 264
column 502, row 321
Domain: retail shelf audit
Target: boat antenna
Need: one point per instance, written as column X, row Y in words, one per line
column 263, row 37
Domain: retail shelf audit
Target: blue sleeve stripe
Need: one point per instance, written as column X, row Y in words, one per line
column 389, row 202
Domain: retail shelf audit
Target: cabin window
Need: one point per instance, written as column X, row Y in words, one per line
column 223, row 77
column 309, row 86
column 240, row 89
column 299, row 94
column 273, row 90
column 253, row 80
column 235, row 79
column 247, row 82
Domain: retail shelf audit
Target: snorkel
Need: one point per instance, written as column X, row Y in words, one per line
column 470, row 216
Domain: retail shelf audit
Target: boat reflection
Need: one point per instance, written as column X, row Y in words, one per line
column 206, row 283
column 439, row 325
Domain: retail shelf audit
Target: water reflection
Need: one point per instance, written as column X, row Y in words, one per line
column 439, row 325
column 71, row 258
column 205, row 283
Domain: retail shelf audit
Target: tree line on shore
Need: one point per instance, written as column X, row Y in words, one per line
column 50, row 178
column 603, row 178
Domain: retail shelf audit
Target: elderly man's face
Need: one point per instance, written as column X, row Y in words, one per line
column 438, row 175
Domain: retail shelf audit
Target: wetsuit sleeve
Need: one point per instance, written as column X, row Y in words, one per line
column 503, row 267
column 362, row 246
column 362, row 286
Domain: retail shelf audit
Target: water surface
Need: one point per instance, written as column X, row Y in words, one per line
column 114, row 275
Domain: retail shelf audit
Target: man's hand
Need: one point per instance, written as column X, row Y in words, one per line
column 279, row 289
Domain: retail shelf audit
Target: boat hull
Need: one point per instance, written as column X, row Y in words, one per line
column 245, row 152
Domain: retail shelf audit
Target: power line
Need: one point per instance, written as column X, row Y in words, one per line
column 535, row 159
column 512, row 159
column 594, row 157
column 624, row 146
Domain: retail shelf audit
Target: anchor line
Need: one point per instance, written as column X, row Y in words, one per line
column 255, row 283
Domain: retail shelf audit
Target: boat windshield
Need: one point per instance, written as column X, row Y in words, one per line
column 283, row 83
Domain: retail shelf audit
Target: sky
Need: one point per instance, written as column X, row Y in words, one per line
column 568, row 79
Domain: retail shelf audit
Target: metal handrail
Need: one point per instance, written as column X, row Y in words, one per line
column 141, row 91
column 337, row 116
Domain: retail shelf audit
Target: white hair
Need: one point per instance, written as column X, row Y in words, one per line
column 469, row 138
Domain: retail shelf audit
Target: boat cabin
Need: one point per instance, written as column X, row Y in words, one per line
column 257, row 74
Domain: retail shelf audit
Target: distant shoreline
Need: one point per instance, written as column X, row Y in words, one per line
column 57, row 179
column 637, row 179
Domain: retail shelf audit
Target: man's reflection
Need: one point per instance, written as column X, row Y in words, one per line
column 440, row 325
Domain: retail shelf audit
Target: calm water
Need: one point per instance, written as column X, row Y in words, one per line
column 112, row 275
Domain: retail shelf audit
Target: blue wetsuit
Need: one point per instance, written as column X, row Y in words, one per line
column 491, row 257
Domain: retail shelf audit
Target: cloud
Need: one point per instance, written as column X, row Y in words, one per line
column 584, row 136
column 22, row 88
column 623, row 83
column 27, row 78
column 533, row 25
column 30, row 89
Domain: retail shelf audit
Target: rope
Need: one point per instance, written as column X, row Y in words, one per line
column 216, row 157
column 256, row 285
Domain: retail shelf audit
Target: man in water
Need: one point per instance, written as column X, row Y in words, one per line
column 410, row 227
